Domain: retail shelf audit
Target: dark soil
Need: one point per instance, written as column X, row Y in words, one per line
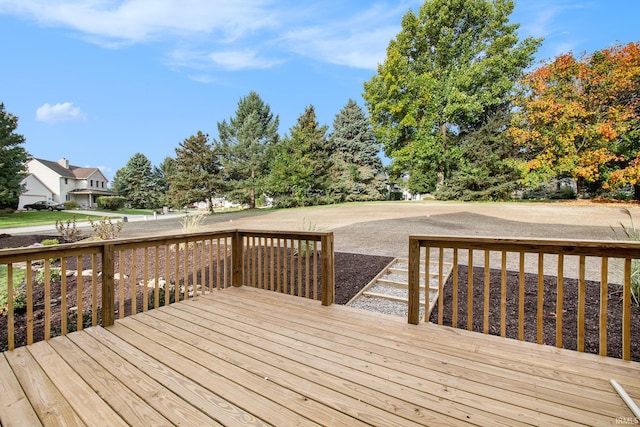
column 352, row 273
column 550, row 315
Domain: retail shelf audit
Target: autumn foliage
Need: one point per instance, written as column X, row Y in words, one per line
column 581, row 118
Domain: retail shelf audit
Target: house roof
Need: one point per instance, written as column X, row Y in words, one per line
column 73, row 171
column 93, row 191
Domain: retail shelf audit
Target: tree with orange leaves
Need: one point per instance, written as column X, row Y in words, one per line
column 581, row 118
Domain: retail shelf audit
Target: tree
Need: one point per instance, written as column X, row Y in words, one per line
column 245, row 142
column 451, row 63
column 300, row 164
column 136, row 182
column 197, row 174
column 13, row 160
column 160, row 177
column 357, row 173
column 486, row 170
column 581, row 118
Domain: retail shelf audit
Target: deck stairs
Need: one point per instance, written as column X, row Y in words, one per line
column 388, row 291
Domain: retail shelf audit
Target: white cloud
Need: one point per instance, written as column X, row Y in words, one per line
column 230, row 35
column 359, row 41
column 59, row 113
column 111, row 21
column 551, row 20
column 238, row 60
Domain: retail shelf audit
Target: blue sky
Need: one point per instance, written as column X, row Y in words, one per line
column 97, row 81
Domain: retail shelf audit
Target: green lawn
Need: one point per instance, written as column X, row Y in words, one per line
column 129, row 211
column 26, row 219
column 18, row 277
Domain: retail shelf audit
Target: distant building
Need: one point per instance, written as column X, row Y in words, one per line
column 61, row 182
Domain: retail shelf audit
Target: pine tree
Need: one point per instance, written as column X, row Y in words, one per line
column 197, row 174
column 357, row 173
column 245, row 143
column 485, row 170
column 13, row 159
column 301, row 163
column 136, row 183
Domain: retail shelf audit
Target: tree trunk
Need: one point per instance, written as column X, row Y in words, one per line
column 252, row 196
column 636, row 192
column 442, row 164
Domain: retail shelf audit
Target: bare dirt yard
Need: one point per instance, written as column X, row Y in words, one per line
column 369, row 235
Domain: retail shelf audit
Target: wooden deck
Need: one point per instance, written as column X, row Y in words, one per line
column 242, row 356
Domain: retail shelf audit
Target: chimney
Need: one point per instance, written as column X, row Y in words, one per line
column 64, row 163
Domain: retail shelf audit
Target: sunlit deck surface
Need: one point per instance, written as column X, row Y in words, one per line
column 249, row 357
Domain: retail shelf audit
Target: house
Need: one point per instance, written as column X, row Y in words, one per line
column 61, row 182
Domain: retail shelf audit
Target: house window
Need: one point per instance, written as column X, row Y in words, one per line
column 68, row 198
column 66, row 181
column 91, row 183
column 102, row 184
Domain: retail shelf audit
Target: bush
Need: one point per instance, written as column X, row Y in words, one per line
column 632, row 233
column 71, row 205
column 112, row 203
column 105, row 229
column 68, row 231
column 564, row 193
column 55, row 273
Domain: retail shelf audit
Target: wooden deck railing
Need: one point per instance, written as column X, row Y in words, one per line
column 607, row 265
column 54, row 289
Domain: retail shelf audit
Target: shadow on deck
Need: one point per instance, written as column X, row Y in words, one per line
column 244, row 356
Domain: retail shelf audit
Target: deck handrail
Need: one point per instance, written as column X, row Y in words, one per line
column 497, row 250
column 193, row 262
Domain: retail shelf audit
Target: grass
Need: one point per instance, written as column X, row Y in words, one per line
column 18, row 276
column 27, row 219
column 128, row 211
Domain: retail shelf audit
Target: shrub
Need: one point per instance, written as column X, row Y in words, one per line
column 161, row 291
column 68, row 231
column 55, row 273
column 112, row 203
column 105, row 229
column 19, row 289
column 191, row 223
column 71, row 205
column 632, row 233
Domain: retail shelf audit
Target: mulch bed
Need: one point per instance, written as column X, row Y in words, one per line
column 354, row 271
column 569, row 315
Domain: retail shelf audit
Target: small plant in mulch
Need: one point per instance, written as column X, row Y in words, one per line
column 55, row 273
column 191, row 223
column 632, row 233
column 68, row 230
column 105, row 229
column 302, row 250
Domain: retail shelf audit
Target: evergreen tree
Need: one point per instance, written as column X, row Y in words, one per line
column 197, row 174
column 486, row 170
column 357, row 173
column 161, row 176
column 13, row 159
column 245, row 143
column 136, row 182
column 451, row 63
column 301, row 163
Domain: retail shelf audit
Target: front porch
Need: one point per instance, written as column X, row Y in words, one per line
column 245, row 356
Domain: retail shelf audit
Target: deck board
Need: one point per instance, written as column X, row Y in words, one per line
column 243, row 356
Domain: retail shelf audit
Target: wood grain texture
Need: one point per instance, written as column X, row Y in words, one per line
column 246, row 356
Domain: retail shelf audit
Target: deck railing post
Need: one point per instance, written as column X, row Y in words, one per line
column 414, row 281
column 328, row 270
column 237, row 259
column 108, row 296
